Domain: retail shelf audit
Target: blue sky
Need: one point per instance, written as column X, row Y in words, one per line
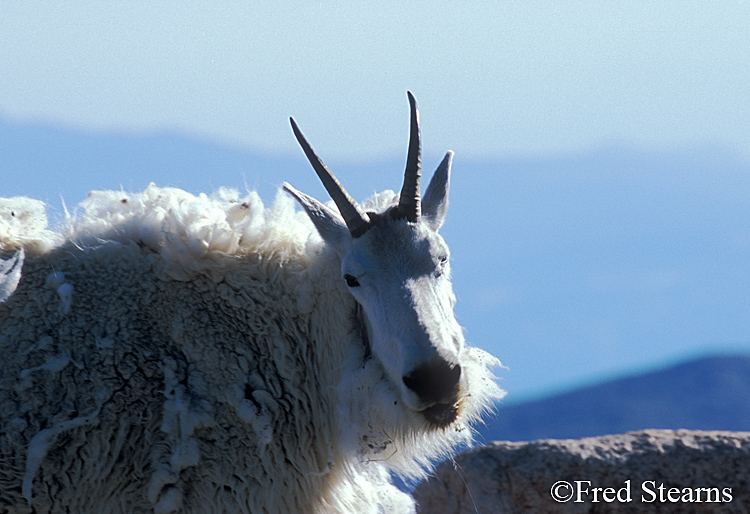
column 492, row 78
column 570, row 285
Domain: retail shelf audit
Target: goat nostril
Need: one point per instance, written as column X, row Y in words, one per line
column 434, row 382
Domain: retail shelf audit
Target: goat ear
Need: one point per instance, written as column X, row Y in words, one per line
column 435, row 199
column 330, row 226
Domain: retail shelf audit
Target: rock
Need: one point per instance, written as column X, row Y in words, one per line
column 676, row 471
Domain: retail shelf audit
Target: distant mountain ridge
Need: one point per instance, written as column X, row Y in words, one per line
column 710, row 393
column 71, row 162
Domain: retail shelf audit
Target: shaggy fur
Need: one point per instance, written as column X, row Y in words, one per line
column 165, row 352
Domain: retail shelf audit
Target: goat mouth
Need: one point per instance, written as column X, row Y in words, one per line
column 441, row 415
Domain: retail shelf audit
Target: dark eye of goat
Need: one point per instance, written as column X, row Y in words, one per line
column 351, row 281
column 441, row 266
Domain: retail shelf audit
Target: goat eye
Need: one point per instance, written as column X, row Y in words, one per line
column 441, row 266
column 351, row 281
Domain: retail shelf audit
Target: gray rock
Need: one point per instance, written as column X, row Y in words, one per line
column 650, row 471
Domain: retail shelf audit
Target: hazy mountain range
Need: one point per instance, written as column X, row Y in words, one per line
column 710, row 393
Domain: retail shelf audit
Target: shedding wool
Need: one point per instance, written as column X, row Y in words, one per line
column 165, row 352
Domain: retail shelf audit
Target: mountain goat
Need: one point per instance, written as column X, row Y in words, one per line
column 175, row 353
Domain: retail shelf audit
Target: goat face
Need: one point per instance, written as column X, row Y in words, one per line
column 399, row 273
column 396, row 266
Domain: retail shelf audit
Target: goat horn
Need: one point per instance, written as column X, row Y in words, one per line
column 357, row 221
column 409, row 200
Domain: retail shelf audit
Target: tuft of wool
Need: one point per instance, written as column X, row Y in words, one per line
column 191, row 231
column 23, row 224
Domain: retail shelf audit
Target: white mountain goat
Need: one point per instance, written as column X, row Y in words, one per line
column 173, row 353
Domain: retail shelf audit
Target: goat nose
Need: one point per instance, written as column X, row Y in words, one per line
column 435, row 382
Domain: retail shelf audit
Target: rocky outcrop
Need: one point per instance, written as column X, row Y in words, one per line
column 650, row 471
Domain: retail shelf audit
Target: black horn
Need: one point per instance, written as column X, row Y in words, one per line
column 357, row 221
column 409, row 204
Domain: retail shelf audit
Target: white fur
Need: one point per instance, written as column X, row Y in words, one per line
column 165, row 352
